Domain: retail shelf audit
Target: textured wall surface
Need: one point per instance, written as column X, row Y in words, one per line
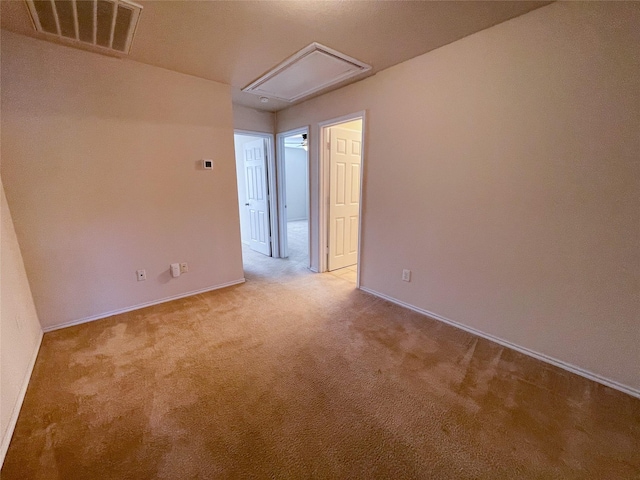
column 19, row 327
column 101, row 160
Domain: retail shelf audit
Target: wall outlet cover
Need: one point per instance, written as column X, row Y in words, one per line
column 175, row 270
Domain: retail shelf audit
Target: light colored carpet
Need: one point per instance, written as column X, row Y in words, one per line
column 298, row 242
column 300, row 375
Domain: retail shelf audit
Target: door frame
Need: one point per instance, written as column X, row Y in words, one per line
column 271, row 184
column 283, row 250
column 323, row 187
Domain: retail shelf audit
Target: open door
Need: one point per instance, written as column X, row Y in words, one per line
column 345, row 149
column 293, row 195
column 257, row 201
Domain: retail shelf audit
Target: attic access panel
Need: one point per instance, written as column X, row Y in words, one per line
column 104, row 24
column 312, row 69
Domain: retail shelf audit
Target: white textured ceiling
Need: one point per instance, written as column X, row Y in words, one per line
column 235, row 42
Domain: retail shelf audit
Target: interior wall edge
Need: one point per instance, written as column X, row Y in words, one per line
column 8, row 433
column 139, row 306
column 250, row 119
column 634, row 392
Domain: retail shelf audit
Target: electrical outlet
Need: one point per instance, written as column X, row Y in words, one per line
column 184, row 267
column 175, row 270
column 406, row 275
column 142, row 275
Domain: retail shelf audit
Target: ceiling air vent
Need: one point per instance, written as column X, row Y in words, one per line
column 312, row 69
column 105, row 24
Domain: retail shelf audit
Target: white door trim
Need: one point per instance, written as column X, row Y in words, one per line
column 282, row 195
column 323, row 187
column 271, row 182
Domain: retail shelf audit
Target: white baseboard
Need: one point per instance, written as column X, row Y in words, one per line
column 6, row 439
column 532, row 353
column 140, row 305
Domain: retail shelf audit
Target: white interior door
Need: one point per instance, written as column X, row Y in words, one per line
column 257, row 202
column 345, row 147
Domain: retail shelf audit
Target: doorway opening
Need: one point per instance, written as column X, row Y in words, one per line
column 256, row 182
column 341, row 158
column 293, row 188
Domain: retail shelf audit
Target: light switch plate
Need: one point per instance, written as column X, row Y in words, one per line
column 406, row 275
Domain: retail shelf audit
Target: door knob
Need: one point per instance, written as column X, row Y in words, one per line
column 247, row 204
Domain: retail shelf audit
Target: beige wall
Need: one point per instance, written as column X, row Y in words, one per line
column 101, row 165
column 503, row 170
column 20, row 331
column 245, row 118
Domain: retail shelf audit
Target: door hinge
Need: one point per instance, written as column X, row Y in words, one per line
column 327, row 250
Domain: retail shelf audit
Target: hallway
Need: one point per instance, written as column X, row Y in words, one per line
column 298, row 259
column 298, row 242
